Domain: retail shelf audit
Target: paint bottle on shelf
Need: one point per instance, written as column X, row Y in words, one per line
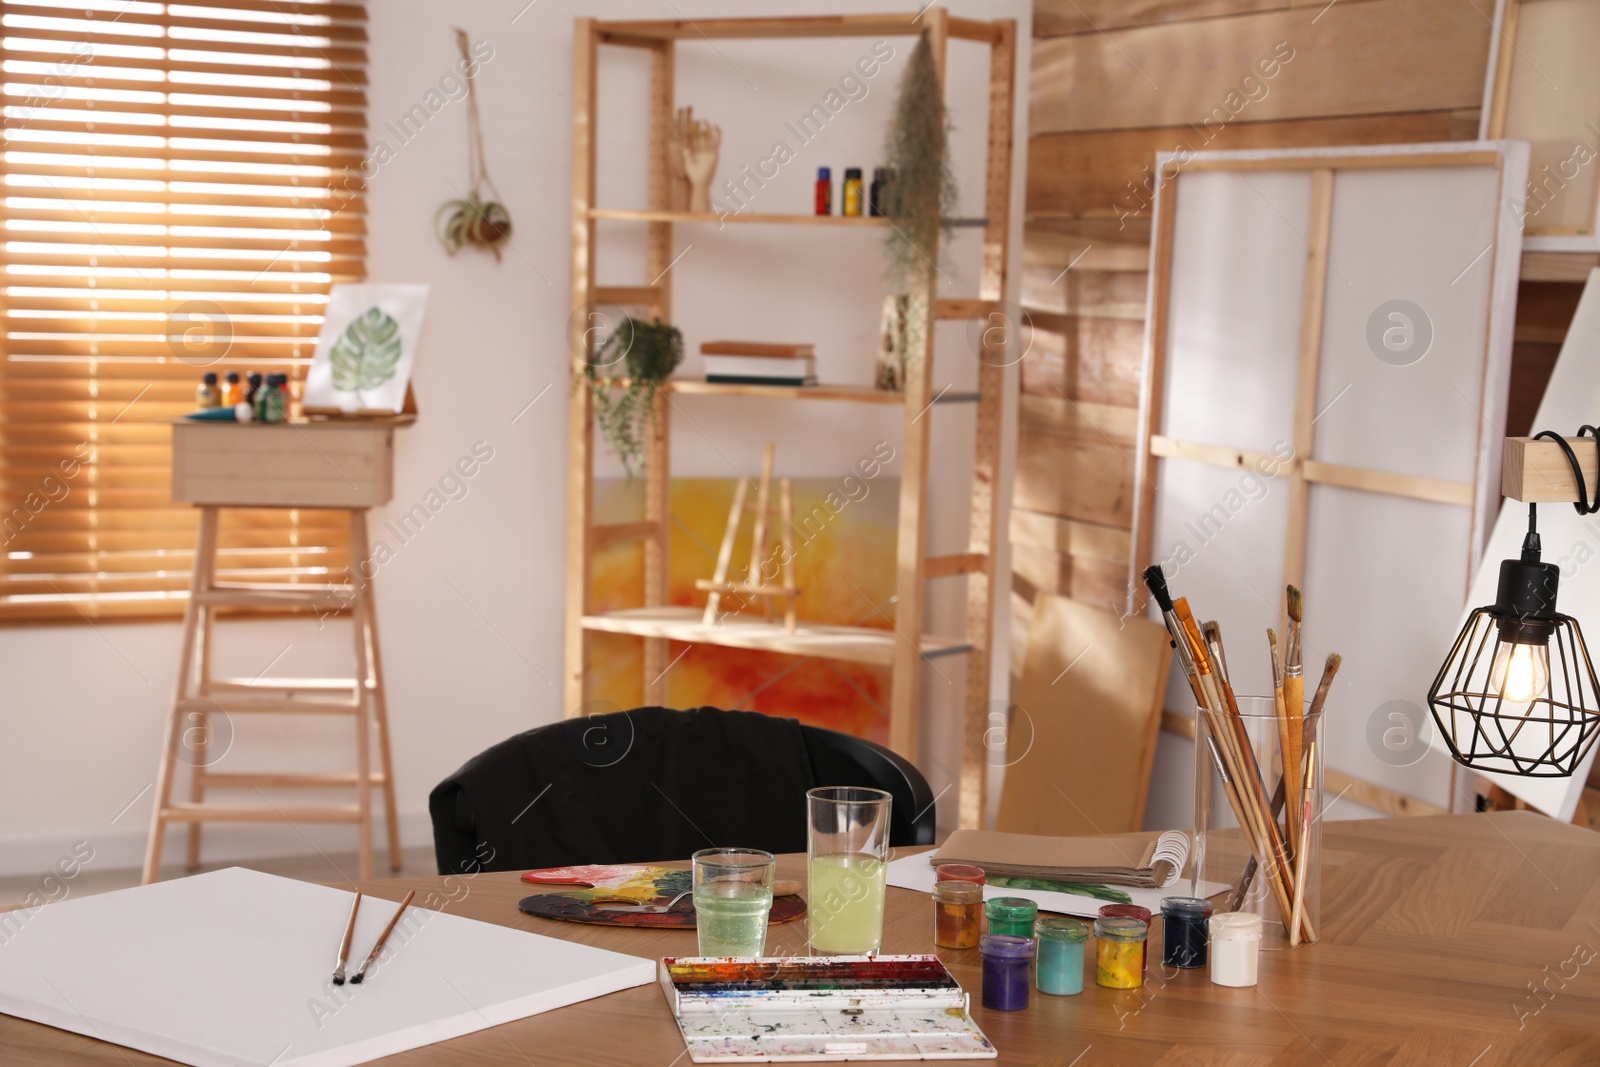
column 252, row 387
column 852, row 191
column 875, row 194
column 232, row 390
column 824, row 191
column 206, row 394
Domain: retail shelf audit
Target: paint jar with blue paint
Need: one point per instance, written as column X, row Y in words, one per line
column 1007, row 961
column 1184, row 931
column 1011, row 915
column 1061, row 941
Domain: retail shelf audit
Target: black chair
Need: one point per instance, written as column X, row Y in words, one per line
column 654, row 784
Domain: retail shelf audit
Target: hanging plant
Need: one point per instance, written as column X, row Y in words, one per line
column 924, row 187
column 479, row 220
column 643, row 355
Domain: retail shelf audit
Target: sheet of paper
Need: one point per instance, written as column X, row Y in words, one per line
column 233, row 969
column 914, row 872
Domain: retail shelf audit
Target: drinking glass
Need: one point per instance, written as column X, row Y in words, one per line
column 847, row 848
column 732, row 896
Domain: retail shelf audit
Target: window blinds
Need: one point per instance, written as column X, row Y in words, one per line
column 182, row 187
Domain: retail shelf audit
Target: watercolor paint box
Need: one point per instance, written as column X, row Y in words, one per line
column 798, row 1008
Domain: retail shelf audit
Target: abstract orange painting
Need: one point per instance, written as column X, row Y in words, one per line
column 844, row 539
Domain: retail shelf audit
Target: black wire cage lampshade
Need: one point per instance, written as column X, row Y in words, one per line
column 1517, row 694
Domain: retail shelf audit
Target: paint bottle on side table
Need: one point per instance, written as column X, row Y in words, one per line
column 1235, row 948
column 206, row 394
column 957, row 914
column 1184, row 931
column 1061, row 941
column 1006, row 962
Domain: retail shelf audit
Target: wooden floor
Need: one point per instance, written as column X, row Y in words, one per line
column 329, row 867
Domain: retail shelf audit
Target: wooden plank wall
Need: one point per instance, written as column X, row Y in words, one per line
column 1115, row 81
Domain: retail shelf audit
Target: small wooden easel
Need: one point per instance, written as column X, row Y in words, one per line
column 754, row 585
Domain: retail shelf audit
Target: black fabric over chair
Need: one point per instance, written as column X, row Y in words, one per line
column 655, row 784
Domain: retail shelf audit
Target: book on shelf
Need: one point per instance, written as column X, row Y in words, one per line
column 768, row 349
column 770, row 370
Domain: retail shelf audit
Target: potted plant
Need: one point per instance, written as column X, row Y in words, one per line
column 623, row 376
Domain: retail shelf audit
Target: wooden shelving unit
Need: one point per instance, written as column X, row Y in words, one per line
column 659, row 622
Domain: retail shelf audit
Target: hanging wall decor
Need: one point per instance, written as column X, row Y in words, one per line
column 478, row 220
column 918, row 158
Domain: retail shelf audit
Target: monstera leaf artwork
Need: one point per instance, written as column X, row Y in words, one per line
column 367, row 353
column 370, row 335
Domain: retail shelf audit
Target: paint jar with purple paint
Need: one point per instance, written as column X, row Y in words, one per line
column 1007, row 964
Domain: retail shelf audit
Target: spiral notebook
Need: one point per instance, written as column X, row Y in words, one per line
column 1145, row 860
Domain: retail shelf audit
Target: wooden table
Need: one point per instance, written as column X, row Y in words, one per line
column 1436, row 933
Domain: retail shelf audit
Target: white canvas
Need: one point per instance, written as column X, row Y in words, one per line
column 1571, row 541
column 232, row 969
column 1385, row 576
column 356, row 367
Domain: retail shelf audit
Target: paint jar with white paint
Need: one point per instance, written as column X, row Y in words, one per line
column 1235, row 948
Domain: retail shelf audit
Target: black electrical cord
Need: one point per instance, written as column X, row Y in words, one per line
column 1585, row 504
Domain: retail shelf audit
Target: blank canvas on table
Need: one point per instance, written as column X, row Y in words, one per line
column 232, row 969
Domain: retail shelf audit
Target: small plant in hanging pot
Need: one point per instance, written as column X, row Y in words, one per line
column 623, row 376
column 477, row 220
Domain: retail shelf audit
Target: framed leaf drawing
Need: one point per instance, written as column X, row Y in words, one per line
column 364, row 354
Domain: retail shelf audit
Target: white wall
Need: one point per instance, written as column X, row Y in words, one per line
column 470, row 609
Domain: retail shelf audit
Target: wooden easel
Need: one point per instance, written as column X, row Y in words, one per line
column 754, row 585
column 199, row 695
column 339, row 465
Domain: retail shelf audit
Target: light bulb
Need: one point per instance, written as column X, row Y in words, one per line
column 1520, row 672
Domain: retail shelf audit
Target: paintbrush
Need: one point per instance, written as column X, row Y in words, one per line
column 357, row 978
column 1294, row 690
column 1283, row 728
column 344, row 944
column 1302, row 848
column 1156, row 582
column 1213, row 635
column 1314, row 716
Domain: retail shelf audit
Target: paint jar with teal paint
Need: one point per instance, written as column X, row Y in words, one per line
column 1012, row 916
column 1059, row 970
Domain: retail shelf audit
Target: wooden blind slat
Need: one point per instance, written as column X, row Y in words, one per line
column 203, row 155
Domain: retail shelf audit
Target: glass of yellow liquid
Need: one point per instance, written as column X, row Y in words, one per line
column 732, row 896
column 847, row 848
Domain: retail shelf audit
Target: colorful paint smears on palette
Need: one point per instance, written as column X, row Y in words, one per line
column 708, row 977
column 844, row 566
column 628, row 895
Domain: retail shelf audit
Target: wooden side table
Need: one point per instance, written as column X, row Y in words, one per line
column 335, row 464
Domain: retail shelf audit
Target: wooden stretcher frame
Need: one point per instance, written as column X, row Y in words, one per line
column 1512, row 58
column 1304, row 470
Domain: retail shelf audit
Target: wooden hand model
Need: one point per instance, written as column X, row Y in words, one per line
column 699, row 154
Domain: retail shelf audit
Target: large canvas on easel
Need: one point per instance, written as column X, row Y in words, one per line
column 1543, row 87
column 1571, row 541
column 1284, row 440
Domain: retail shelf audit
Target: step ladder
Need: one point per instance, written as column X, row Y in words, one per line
column 199, row 696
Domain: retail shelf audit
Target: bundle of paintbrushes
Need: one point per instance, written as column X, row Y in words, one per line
column 1280, row 851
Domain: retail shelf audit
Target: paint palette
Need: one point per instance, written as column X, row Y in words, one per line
column 628, row 895
column 821, row 1008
